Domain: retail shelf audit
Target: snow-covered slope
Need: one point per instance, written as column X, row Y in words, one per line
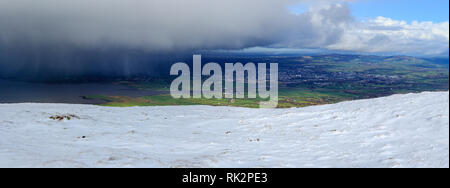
column 399, row 131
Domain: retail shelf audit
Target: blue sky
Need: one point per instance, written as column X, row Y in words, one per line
column 407, row 10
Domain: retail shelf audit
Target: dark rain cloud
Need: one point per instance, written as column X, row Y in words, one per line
column 125, row 37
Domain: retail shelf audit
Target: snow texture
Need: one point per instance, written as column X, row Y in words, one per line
column 409, row 130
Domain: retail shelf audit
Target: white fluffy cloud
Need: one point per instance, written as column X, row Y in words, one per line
column 391, row 36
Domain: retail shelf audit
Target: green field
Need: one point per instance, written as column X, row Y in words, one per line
column 340, row 78
column 288, row 98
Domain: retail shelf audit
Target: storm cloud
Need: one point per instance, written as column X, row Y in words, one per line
column 124, row 37
column 127, row 37
column 160, row 25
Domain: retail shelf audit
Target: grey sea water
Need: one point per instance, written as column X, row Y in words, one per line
column 73, row 93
